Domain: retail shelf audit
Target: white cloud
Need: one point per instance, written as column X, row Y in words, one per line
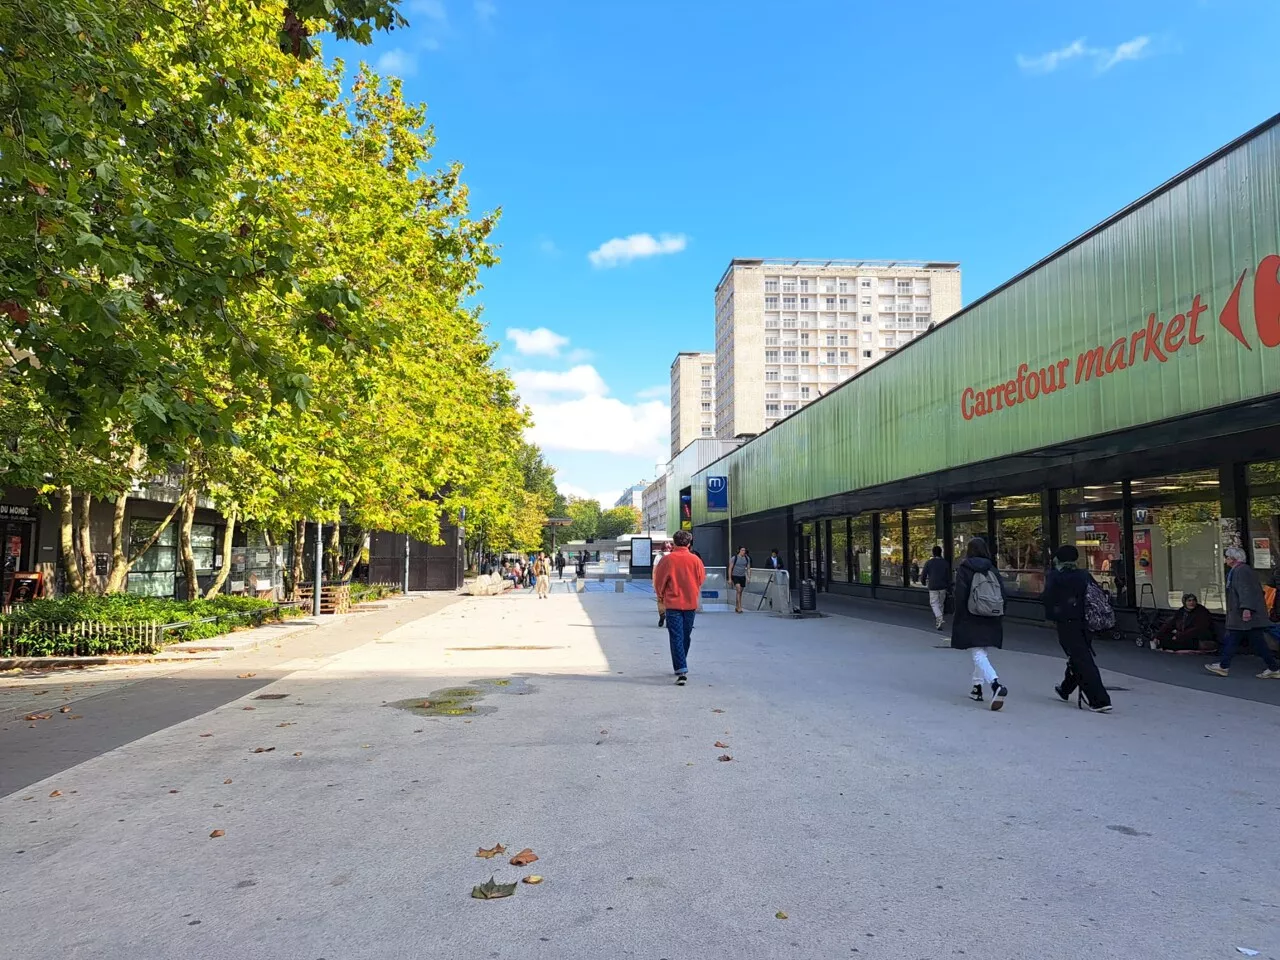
column 605, row 499
column 572, row 410
column 431, row 9
column 658, row 391
column 578, row 355
column 537, row 343
column 397, row 62
column 1104, row 58
column 486, row 10
column 621, row 250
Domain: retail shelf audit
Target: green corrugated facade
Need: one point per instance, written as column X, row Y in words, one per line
column 903, row 417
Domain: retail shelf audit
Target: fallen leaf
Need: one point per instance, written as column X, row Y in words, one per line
column 722, row 746
column 724, row 758
column 780, row 915
column 37, row 716
column 263, row 749
column 524, row 858
column 206, row 734
column 56, row 793
column 248, row 708
column 492, row 890
column 717, row 710
column 64, row 709
column 173, row 791
column 245, row 676
column 289, row 724
column 217, row 833
column 76, row 716
column 533, row 880
column 484, row 854
column 426, row 704
column 298, row 754
column 228, row 780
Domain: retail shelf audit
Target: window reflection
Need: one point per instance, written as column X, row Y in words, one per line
column 860, row 543
column 1177, row 540
column 922, row 535
column 839, row 550
column 1019, row 546
column 891, row 548
column 968, row 520
column 1264, row 518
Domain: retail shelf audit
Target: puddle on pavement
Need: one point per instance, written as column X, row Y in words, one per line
column 462, row 701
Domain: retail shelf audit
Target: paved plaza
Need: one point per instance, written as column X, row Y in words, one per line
column 869, row 810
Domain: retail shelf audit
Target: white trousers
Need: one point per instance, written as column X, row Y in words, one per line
column 936, row 599
column 983, row 671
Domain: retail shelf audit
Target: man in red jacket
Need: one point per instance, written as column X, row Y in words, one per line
column 678, row 583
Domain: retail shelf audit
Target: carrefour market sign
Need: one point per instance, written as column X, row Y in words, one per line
column 1153, row 342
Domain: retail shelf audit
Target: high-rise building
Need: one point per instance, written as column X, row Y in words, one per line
column 633, row 496
column 787, row 331
column 693, row 400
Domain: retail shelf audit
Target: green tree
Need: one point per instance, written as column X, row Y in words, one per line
column 618, row 521
column 585, row 515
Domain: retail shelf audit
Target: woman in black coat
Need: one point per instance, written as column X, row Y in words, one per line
column 978, row 633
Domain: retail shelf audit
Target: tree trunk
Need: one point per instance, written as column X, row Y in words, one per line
column 225, row 570
column 355, row 560
column 67, row 542
column 186, row 556
column 333, row 553
column 277, row 590
column 122, row 560
column 299, row 544
column 84, row 546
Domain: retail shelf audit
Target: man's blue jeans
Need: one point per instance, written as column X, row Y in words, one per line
column 680, row 632
column 1257, row 638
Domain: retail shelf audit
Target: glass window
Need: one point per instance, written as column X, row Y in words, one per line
column 1019, row 547
column 1177, row 539
column 1264, row 518
column 154, row 573
column 968, row 520
column 1089, row 518
column 891, row 549
column 922, row 535
column 202, row 547
column 860, row 547
column 840, row 550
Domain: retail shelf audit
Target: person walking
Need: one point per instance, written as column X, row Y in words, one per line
column 739, row 570
column 774, row 562
column 937, row 578
column 1246, row 617
column 542, row 575
column 978, row 622
column 560, row 561
column 678, row 583
column 1066, row 599
column 662, row 610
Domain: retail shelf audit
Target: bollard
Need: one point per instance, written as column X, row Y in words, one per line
column 582, row 586
column 619, row 586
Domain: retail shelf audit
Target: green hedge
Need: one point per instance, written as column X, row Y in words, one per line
column 37, row 629
column 367, row 592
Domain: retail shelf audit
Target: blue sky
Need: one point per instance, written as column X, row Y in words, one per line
column 988, row 133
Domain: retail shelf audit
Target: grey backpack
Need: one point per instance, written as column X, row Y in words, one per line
column 986, row 598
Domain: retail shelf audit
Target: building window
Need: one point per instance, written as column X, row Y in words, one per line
column 804, row 356
column 155, row 573
column 788, row 408
column 771, row 286
column 844, row 356
column 865, row 284
column 804, row 286
column 706, row 407
column 865, row 301
column 844, row 286
column 804, row 393
column 1019, row 543
column 922, row 537
column 706, row 430
column 831, row 303
column 804, row 339
column 770, row 341
column 831, row 356
column 1177, row 540
column 771, row 303
column 706, row 384
column 844, row 303
column 891, row 548
column 771, row 409
column 1264, row 517
column 788, row 286
column 831, row 340
column 844, row 339
column 788, row 356
column 804, row 303
column 771, row 356
column 707, row 395
column 860, row 549
column 771, row 375
column 788, row 303
column 866, row 318
column 866, row 354
column 1091, row 519
column 968, row 520
column 904, row 286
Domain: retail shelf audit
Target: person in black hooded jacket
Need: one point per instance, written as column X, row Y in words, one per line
column 1065, row 597
column 976, row 633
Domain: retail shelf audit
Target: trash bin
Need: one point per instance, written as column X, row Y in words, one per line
column 808, row 595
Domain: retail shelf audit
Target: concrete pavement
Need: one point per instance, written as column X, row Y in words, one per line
column 886, row 814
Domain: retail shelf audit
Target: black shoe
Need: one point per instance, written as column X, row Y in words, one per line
column 662, row 619
column 1105, row 708
column 1064, row 697
column 998, row 693
column 976, row 692
column 681, row 680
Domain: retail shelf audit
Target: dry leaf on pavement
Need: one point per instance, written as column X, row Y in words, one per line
column 524, row 858
column 288, row 724
column 484, row 854
column 245, row 676
column 492, row 890
column 56, row 793
column 206, row 734
column 724, row 758
column 228, row 780
column 37, row 716
column 780, row 915
column 722, row 746
column 298, row 754
column 76, row 716
column 533, row 880
column 173, row 791
column 248, row 708
column 263, row 749
column 64, row 709
column 217, row 833
column 717, row 710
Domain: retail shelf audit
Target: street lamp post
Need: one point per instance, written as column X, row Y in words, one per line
column 315, row 594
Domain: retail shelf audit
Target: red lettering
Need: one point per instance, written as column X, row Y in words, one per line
column 1033, row 383
column 994, row 399
column 1022, row 376
column 1173, row 338
column 1152, row 345
column 1010, row 393
column 1266, row 301
column 967, row 412
column 1193, row 315
column 981, row 408
column 1062, row 374
column 1115, row 356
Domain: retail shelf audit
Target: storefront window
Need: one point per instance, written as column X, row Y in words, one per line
column 968, row 520
column 1264, row 518
column 922, row 535
column 1177, row 540
column 839, row 550
column 808, row 546
column 891, row 548
column 1091, row 520
column 860, row 545
column 154, row 573
column 1019, row 546
column 202, row 547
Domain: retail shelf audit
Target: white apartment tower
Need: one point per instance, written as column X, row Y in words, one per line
column 788, row 331
column 692, row 399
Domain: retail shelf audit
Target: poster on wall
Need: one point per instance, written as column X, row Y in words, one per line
column 641, row 553
column 1262, row 553
column 1142, row 550
column 25, row 587
column 1229, row 531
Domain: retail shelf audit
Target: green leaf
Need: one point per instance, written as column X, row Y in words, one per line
column 493, row 891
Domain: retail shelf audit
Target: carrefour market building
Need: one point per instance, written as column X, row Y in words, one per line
column 1123, row 395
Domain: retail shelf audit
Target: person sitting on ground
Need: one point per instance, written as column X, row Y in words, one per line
column 1188, row 630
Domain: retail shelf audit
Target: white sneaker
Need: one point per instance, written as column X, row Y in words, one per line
column 1269, row 675
column 937, row 623
column 1216, row 668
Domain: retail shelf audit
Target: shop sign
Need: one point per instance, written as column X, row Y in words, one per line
column 717, row 494
column 1155, row 341
column 16, row 511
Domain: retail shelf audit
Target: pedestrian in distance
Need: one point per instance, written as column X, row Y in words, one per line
column 937, row 578
column 542, row 575
column 978, row 622
column 560, row 562
column 1066, row 603
column 1246, row 617
column 774, row 562
column 662, row 610
column 678, row 583
column 739, row 570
